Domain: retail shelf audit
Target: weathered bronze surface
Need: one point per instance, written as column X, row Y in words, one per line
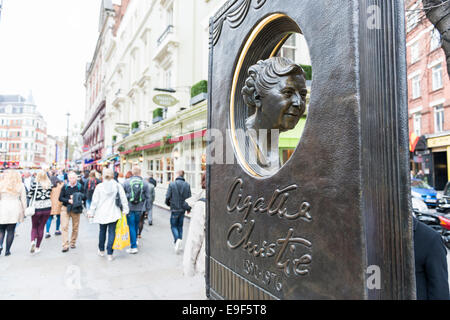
column 340, row 205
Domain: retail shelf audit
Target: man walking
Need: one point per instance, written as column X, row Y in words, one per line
column 152, row 182
column 72, row 198
column 139, row 201
column 179, row 190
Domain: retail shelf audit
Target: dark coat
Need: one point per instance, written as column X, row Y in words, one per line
column 431, row 263
column 176, row 199
column 78, row 195
column 152, row 181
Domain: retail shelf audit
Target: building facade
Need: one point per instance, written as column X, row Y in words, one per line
column 153, row 58
column 94, row 130
column 428, row 97
column 23, row 133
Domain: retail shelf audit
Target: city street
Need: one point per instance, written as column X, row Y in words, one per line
column 155, row 273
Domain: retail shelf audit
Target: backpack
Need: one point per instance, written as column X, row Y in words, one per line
column 137, row 188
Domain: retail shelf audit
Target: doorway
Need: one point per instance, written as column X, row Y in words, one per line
column 440, row 170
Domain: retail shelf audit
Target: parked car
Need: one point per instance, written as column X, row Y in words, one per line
column 444, row 203
column 421, row 189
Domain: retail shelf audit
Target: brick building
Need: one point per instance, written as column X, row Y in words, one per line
column 428, row 97
column 23, row 133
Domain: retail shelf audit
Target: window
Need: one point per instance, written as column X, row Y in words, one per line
column 416, row 87
column 167, row 78
column 288, row 49
column 415, row 52
column 435, row 39
column 437, row 77
column 439, row 118
column 417, row 123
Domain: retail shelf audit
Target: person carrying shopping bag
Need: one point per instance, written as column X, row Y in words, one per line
column 105, row 211
column 13, row 201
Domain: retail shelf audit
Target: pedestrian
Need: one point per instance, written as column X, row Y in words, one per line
column 105, row 212
column 177, row 193
column 72, row 198
column 194, row 251
column 56, row 205
column 39, row 196
column 89, row 188
column 430, row 263
column 128, row 175
column 151, row 179
column 27, row 180
column 121, row 178
column 13, row 201
column 139, row 201
column 85, row 177
column 148, row 213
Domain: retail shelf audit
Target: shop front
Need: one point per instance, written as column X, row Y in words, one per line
column 440, row 152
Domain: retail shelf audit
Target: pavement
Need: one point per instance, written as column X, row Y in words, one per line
column 155, row 273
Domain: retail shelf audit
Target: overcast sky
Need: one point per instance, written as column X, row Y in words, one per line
column 44, row 47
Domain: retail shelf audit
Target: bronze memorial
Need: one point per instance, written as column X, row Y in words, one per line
column 334, row 221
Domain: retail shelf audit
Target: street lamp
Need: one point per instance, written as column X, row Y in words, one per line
column 67, row 141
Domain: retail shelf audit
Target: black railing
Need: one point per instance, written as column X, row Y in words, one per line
column 166, row 32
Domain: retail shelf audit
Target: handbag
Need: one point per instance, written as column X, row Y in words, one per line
column 31, row 210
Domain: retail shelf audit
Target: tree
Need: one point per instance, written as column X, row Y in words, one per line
column 438, row 12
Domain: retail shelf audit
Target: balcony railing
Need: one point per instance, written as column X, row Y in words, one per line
column 166, row 32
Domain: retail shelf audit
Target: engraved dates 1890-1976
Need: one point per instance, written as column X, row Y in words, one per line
column 239, row 234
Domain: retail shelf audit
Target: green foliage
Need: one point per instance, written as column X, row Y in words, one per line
column 308, row 71
column 121, row 148
column 199, row 87
column 114, row 138
column 135, row 125
column 157, row 113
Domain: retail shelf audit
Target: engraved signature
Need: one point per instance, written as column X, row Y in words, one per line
column 239, row 234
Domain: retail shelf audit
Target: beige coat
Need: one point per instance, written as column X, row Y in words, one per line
column 194, row 250
column 54, row 196
column 12, row 207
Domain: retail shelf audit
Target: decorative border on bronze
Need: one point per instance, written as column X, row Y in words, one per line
column 229, row 284
column 234, row 17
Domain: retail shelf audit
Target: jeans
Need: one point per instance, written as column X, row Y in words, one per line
column 39, row 220
column 49, row 223
column 88, row 204
column 133, row 219
column 11, row 230
column 176, row 224
column 111, row 228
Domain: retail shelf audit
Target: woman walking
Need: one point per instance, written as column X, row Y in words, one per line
column 90, row 186
column 55, row 212
column 40, row 198
column 105, row 212
column 13, row 202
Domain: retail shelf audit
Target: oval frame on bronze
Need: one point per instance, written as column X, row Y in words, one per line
column 264, row 42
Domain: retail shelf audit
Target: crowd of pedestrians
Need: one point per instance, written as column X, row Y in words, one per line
column 104, row 198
